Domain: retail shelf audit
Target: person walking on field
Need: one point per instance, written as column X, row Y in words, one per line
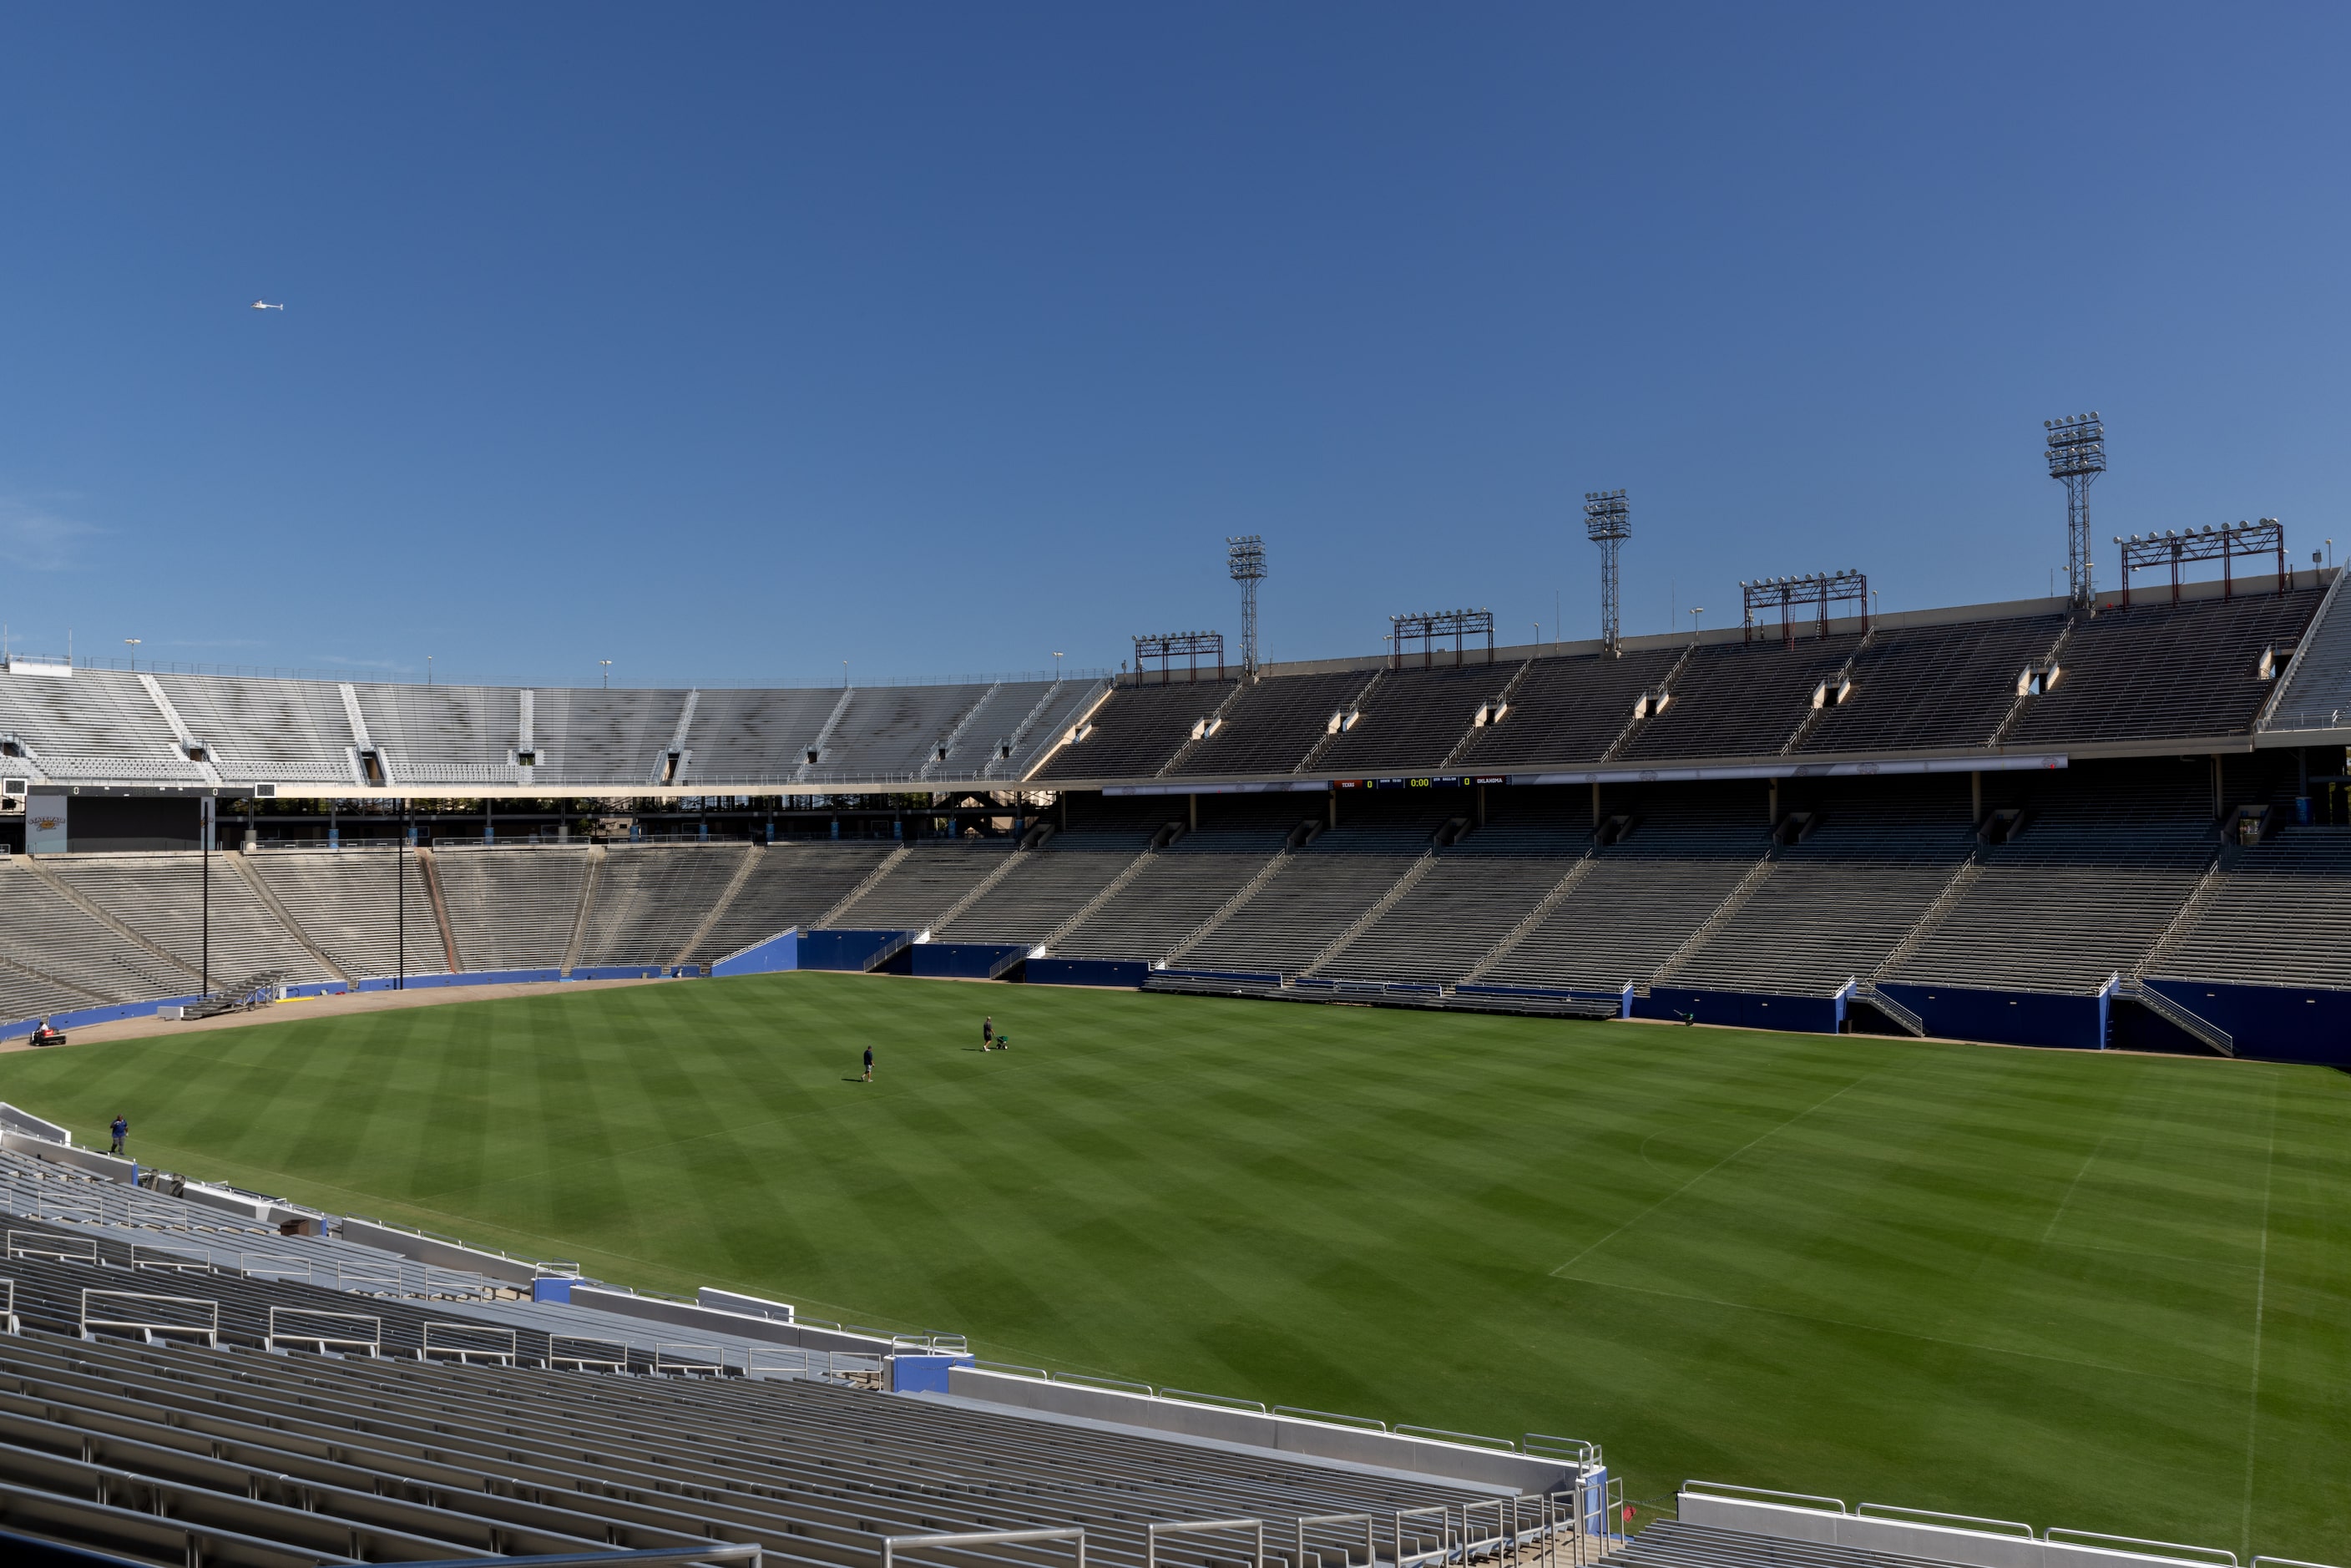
column 869, row 1064
column 988, row 1033
column 121, row 1130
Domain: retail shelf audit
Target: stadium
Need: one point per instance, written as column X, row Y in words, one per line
column 632, row 1263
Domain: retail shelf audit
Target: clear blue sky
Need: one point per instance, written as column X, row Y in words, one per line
column 732, row 342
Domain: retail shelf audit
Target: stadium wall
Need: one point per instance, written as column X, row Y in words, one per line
column 2272, row 1023
column 1742, row 1009
column 1126, row 974
column 2004, row 1018
column 774, row 955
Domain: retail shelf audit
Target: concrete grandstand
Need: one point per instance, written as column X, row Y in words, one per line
column 2013, row 822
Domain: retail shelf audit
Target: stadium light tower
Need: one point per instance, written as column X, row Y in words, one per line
column 2077, row 454
column 1608, row 525
column 1244, row 559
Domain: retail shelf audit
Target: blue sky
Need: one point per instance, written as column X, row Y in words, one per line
column 730, row 344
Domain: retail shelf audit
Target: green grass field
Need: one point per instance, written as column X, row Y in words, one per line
column 2103, row 1291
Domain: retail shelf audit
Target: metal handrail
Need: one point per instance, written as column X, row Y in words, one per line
column 1767, row 1491
column 1861, row 1510
column 1183, row 1395
column 210, row 1332
column 1152, row 1532
column 891, row 1543
column 2212, row 1553
column 1331, row 1416
column 1505, row 1443
column 1584, row 1452
column 652, row 1557
column 372, row 1344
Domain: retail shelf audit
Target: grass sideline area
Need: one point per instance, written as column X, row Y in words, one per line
column 2103, row 1291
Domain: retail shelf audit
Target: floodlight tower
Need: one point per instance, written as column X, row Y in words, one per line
column 2077, row 454
column 1608, row 525
column 1244, row 559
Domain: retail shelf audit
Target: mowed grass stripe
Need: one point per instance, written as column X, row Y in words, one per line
column 1989, row 1280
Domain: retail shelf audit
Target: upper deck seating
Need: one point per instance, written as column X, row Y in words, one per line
column 1933, row 686
column 1272, row 725
column 1735, row 699
column 274, row 730
column 590, row 735
column 1414, row 716
column 1135, row 733
column 737, row 735
column 95, row 724
column 1568, row 710
column 457, row 735
column 893, row 732
column 2319, row 697
column 2191, row 670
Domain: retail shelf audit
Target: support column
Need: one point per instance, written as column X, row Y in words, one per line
column 2217, row 805
column 1774, row 807
column 1595, row 803
column 1192, row 813
column 1333, row 821
column 1975, row 798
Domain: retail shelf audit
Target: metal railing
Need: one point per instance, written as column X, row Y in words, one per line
column 150, row 1326
column 468, row 1343
column 1152, row 1532
column 587, row 1353
column 61, row 1248
column 714, row 1363
column 181, row 1260
column 891, row 1545
column 372, row 1342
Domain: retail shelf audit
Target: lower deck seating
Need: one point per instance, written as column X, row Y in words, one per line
column 2280, row 916
column 166, row 1455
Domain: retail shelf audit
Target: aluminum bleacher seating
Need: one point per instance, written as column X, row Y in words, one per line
column 236, row 1455
column 1318, row 892
column 1734, row 699
column 66, row 945
column 651, row 899
column 2280, row 916
column 1049, row 884
column 1272, row 725
column 1185, row 884
column 893, row 732
column 789, row 884
column 1413, row 717
column 1135, row 733
column 2082, row 892
column 928, row 881
column 2191, row 670
column 596, row 737
column 743, row 733
column 443, row 734
column 290, row 730
column 98, row 723
column 1448, row 919
column 1933, row 686
column 512, row 908
column 1568, row 709
column 163, row 897
column 2319, row 694
column 1836, row 902
column 347, row 903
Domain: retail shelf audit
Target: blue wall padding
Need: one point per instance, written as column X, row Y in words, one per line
column 2275, row 1024
column 2005, row 1018
column 1249, row 976
column 1742, row 1009
column 1085, row 972
column 855, row 950
column 922, row 1374
column 66, row 1022
column 545, row 1289
column 776, row 954
column 966, row 961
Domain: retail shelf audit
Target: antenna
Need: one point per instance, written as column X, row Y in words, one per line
column 2077, row 454
column 1245, row 557
column 1607, row 525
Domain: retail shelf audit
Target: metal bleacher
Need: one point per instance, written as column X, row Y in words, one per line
column 2085, row 888
column 1185, row 884
column 923, row 883
column 2189, row 670
column 1135, row 733
column 346, row 902
column 2280, row 916
column 255, row 1459
column 1047, row 884
column 651, row 899
column 512, row 908
column 1271, row 725
column 1317, row 892
column 154, row 894
column 1413, row 717
column 1735, row 698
